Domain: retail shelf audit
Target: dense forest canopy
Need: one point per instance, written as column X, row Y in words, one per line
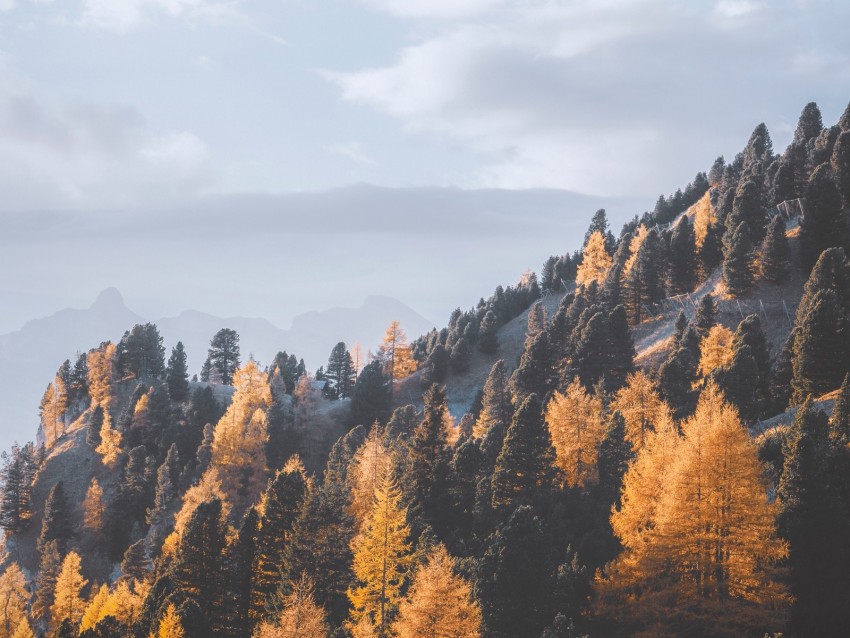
column 651, row 437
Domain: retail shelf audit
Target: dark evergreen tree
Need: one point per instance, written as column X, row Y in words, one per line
column 822, row 225
column 642, row 284
column 706, row 315
column 711, row 250
column 682, row 269
column 739, row 382
column 525, row 469
column 820, row 358
column 620, row 352
column 223, row 356
column 94, row 426
column 781, row 373
column 372, row 397
column 135, row 564
column 817, row 524
column 749, row 208
column 244, row 559
column 615, row 454
column 78, row 385
column 775, row 252
column 16, row 480
column 675, row 381
column 140, row 353
column 56, row 525
column 200, row 569
column 340, row 372
column 488, row 338
column 759, row 147
column 738, row 264
column 680, row 326
column 436, row 366
column 535, row 368
column 177, row 374
column 599, row 222
column 809, row 125
column 715, row 174
column 460, row 355
column 281, row 504
column 320, row 545
column 425, row 476
column 840, row 162
column 516, row 577
column 839, row 422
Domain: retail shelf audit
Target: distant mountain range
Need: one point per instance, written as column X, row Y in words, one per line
column 30, row 356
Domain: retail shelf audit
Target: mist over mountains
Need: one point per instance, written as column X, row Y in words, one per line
column 29, row 356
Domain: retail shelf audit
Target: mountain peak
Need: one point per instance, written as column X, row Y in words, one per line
column 107, row 299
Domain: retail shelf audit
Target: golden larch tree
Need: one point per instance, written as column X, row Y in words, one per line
column 715, row 349
column 710, row 560
column 642, row 408
column 93, row 507
column 110, row 442
column 68, row 603
column 367, row 470
column 125, row 601
column 169, row 625
column 382, row 559
column 23, row 630
column 54, row 403
column 439, row 602
column 300, row 615
column 239, row 442
column 634, row 246
column 575, row 424
column 101, row 365
column 94, row 610
column 395, row 353
column 595, row 261
column 703, row 218
column 13, row 599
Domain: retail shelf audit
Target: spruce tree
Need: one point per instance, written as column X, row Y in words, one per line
column 840, row 162
column 340, row 372
column 281, row 504
column 135, row 564
column 200, row 569
column 436, row 366
column 534, row 371
column 642, row 282
column 675, row 381
column 244, row 559
column 821, row 354
column 682, row 259
column 706, row 314
column 372, row 397
column 615, row 454
column 56, row 525
column 525, row 469
column 95, row 424
column 16, row 479
column 738, row 263
column 711, row 250
column 460, row 355
column 223, row 356
column 775, row 252
column 488, row 338
column 177, row 374
column 822, row 225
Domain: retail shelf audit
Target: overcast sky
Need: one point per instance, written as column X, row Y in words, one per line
column 129, row 106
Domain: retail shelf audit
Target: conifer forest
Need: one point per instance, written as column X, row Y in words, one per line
column 650, row 436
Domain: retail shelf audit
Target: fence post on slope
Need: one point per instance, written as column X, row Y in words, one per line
column 763, row 311
column 741, row 312
column 787, row 315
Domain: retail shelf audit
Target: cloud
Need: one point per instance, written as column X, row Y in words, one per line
column 603, row 97
column 434, row 8
column 352, row 151
column 125, row 15
column 85, row 154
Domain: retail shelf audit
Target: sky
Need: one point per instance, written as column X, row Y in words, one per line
column 177, row 132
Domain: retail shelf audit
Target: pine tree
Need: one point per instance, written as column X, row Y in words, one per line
column 424, row 478
column 135, row 565
column 280, row 506
column 595, row 260
column 738, row 263
column 706, row 314
column 320, row 544
column 68, row 603
column 525, row 469
column 496, row 409
column 372, row 397
column 816, row 523
column 748, row 207
column 840, row 162
column 48, row 572
column 460, row 355
column 642, row 278
column 340, row 372
column 243, row 557
column 676, row 378
column 750, row 334
column 438, row 602
column 199, row 565
column 711, row 250
column 615, row 454
column 16, row 479
column 177, row 374
column 382, row 560
column 533, row 373
column 56, row 525
column 95, row 424
column 820, row 358
column 775, row 252
column 822, row 225
column 682, row 259
column 222, row 357
column 54, row 404
column 488, row 338
column 140, row 354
